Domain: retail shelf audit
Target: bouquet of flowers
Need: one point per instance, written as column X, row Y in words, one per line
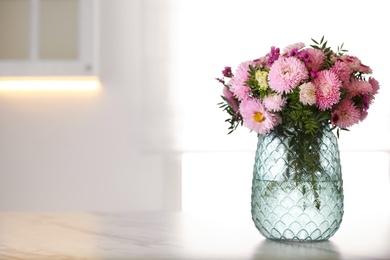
column 298, row 90
column 298, row 94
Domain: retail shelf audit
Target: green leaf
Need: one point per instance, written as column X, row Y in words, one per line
column 324, row 45
column 304, row 190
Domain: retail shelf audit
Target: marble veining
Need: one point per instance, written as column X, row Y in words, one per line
column 175, row 235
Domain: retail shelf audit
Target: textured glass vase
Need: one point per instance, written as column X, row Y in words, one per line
column 297, row 189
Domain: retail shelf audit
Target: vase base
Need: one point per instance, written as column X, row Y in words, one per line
column 282, row 240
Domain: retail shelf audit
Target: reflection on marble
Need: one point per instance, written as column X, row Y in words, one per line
column 269, row 249
column 176, row 235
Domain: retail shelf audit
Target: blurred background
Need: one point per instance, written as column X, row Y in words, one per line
column 148, row 135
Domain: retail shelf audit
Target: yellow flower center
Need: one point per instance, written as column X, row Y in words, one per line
column 258, row 117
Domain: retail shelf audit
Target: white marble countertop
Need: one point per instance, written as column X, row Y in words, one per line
column 176, row 235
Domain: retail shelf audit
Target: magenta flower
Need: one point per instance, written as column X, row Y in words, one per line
column 257, row 118
column 304, row 56
column 286, row 73
column 227, row 72
column 239, row 88
column 345, row 114
column 273, row 56
column 327, row 89
column 313, row 74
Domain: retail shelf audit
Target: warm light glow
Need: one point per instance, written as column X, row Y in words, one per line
column 50, row 84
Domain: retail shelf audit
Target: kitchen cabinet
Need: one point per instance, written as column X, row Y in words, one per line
column 48, row 37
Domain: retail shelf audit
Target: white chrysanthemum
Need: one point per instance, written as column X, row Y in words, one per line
column 307, row 94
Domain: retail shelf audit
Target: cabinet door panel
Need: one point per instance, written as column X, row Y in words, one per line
column 14, row 29
column 58, row 29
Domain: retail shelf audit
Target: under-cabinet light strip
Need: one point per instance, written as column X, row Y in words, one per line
column 49, row 84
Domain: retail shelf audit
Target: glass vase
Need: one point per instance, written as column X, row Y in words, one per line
column 297, row 188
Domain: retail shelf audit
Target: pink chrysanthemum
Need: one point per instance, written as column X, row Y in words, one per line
column 352, row 61
column 238, row 88
column 365, row 69
column 357, row 87
column 257, row 118
column 363, row 115
column 375, row 85
column 307, row 94
column 286, row 73
column 327, row 89
column 355, row 64
column 274, row 102
column 316, row 58
column 342, row 70
column 296, row 46
column 367, row 100
column 346, row 114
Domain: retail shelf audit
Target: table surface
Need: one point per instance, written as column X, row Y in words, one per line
column 177, row 235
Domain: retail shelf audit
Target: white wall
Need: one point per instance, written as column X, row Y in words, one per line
column 77, row 151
